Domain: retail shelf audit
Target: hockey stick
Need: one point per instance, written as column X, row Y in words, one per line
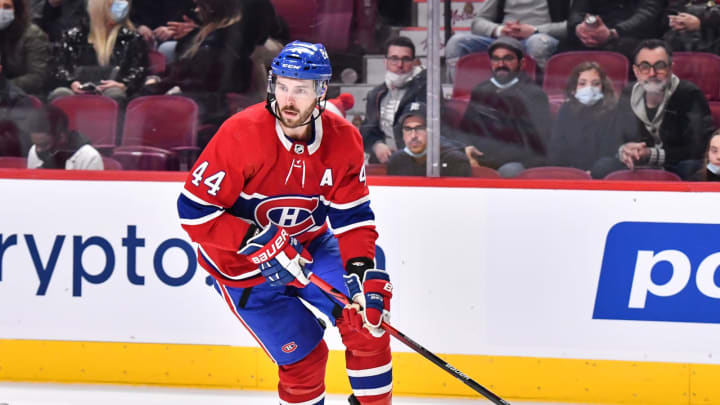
column 323, row 285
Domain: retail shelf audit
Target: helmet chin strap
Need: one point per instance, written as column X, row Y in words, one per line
column 313, row 117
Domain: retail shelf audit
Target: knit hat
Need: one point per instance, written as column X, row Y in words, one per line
column 341, row 104
column 508, row 43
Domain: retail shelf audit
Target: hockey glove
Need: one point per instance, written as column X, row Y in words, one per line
column 279, row 256
column 373, row 295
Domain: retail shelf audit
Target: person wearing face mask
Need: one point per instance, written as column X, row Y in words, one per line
column 23, row 47
column 55, row 146
column 105, row 56
column 405, row 82
column 580, row 135
column 711, row 169
column 215, row 59
column 508, row 118
column 662, row 122
column 412, row 159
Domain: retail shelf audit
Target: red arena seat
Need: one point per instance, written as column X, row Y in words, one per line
column 559, row 66
column 167, row 122
column 701, row 69
column 554, row 172
column 375, row 169
column 483, row 172
column 111, row 164
column 643, row 175
column 13, row 162
column 158, row 64
column 145, row 158
column 475, row 68
column 94, row 116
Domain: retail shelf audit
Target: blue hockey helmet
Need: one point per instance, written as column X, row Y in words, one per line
column 303, row 60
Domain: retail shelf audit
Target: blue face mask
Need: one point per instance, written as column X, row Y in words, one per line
column 713, row 168
column 589, row 95
column 119, row 10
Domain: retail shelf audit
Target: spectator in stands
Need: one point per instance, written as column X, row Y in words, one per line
column 57, row 16
column 508, row 117
column 23, row 47
column 613, row 25
column 692, row 26
column 405, row 82
column 580, row 136
column 412, row 159
column 662, row 121
column 55, row 146
column 540, row 25
column 152, row 19
column 105, row 56
column 14, row 106
column 213, row 61
column 711, row 170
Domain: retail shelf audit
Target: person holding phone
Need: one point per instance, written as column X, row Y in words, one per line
column 105, row 56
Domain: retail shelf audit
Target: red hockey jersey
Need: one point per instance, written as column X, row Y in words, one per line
column 251, row 173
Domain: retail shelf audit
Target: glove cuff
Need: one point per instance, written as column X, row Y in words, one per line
column 359, row 265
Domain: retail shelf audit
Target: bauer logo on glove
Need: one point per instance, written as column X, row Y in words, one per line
column 280, row 257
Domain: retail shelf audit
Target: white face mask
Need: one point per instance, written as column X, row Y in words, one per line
column 714, row 168
column 395, row 80
column 589, row 95
column 6, row 18
column 119, row 10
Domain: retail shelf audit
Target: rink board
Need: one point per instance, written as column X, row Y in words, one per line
column 537, row 290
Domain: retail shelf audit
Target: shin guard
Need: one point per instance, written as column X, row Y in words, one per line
column 303, row 383
column 369, row 364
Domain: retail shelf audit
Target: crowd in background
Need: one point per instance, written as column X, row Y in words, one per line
column 50, row 49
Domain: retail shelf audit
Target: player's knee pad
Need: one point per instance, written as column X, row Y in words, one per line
column 369, row 364
column 304, row 382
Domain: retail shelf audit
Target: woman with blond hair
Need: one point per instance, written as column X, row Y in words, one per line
column 105, row 56
column 215, row 59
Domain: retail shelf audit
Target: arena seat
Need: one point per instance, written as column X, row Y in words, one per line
column 140, row 157
column 559, row 66
column 701, row 69
column 167, row 122
column 36, row 102
column 453, row 111
column 13, row 162
column 158, row 64
column 715, row 111
column 554, row 172
column 111, row 164
column 375, row 169
column 643, row 175
column 483, row 172
column 325, row 21
column 94, row 116
column 475, row 68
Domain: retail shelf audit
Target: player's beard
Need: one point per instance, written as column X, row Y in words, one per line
column 302, row 117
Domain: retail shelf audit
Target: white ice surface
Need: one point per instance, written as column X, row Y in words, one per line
column 76, row 394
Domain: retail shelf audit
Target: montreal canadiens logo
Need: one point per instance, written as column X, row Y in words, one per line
column 295, row 214
column 290, row 347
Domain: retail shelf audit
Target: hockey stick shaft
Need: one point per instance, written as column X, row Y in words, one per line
column 342, row 298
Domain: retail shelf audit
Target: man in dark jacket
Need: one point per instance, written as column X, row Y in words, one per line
column 662, row 122
column 613, row 25
column 405, row 82
column 15, row 106
column 412, row 159
column 508, row 118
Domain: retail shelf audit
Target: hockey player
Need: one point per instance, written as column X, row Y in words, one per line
column 258, row 203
